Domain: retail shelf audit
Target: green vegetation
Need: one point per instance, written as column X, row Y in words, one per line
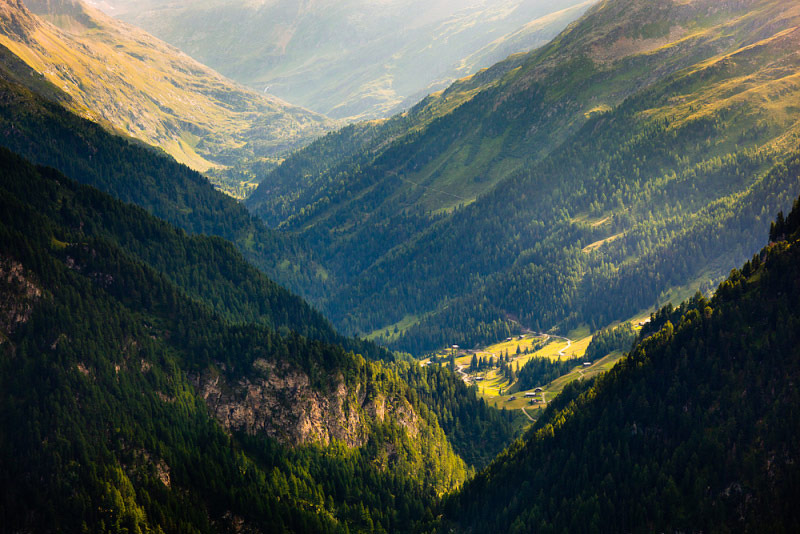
column 597, row 221
column 108, row 362
column 47, row 134
column 538, row 372
column 477, row 431
column 154, row 379
column 694, row 430
column 608, row 340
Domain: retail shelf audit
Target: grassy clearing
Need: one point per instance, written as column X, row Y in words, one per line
column 395, row 330
column 597, row 244
column 593, row 221
column 498, row 391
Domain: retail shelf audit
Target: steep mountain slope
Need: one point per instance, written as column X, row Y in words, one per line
column 693, row 431
column 532, row 189
column 352, row 59
column 128, row 406
column 207, row 269
column 120, row 76
column 48, row 134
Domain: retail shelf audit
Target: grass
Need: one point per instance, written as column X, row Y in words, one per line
column 401, row 326
column 597, row 244
column 491, row 382
column 489, row 388
column 597, row 110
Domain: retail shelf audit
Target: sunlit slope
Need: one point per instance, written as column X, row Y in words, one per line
column 692, row 431
column 458, row 143
column 121, row 76
column 605, row 156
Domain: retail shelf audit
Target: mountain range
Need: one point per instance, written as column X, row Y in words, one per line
column 692, row 431
column 119, row 76
column 175, row 388
column 527, row 192
column 355, row 59
column 173, row 360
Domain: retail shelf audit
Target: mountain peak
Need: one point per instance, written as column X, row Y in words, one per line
column 70, row 15
column 15, row 20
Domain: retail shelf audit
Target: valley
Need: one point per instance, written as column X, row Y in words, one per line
column 394, row 249
column 119, row 76
column 355, row 60
column 494, row 371
column 535, row 269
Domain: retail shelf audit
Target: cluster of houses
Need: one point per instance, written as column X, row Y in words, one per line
column 534, row 396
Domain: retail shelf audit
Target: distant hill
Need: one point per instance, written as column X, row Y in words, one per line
column 357, row 59
column 693, row 431
column 120, row 76
column 576, row 184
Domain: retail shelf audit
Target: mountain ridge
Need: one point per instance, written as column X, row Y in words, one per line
column 355, row 60
column 121, row 76
column 541, row 141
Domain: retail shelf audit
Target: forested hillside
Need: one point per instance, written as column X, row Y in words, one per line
column 643, row 149
column 693, row 431
column 144, row 390
column 207, row 269
column 48, row 134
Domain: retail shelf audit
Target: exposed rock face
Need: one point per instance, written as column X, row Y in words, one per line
column 279, row 401
column 17, row 295
column 63, row 13
column 16, row 20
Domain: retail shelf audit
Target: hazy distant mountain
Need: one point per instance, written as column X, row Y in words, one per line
column 121, row 76
column 354, row 58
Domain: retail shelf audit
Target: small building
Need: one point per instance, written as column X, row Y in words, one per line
column 587, row 364
column 538, row 390
column 478, row 378
column 508, row 339
column 511, row 399
column 530, row 394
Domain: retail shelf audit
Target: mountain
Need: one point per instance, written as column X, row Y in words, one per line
column 350, row 60
column 576, row 184
column 37, row 127
column 120, row 76
column 692, row 431
column 143, row 390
